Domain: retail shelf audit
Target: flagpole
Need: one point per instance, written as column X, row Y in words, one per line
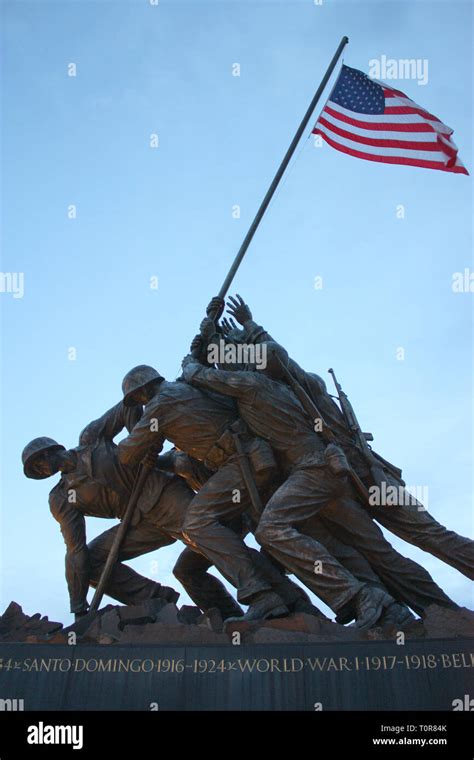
column 281, row 170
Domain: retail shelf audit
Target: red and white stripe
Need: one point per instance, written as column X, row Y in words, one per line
column 404, row 134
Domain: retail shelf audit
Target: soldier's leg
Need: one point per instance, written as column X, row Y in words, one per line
column 347, row 555
column 302, row 496
column 205, row 589
column 191, row 569
column 405, row 579
column 222, row 498
column 356, row 563
column 414, row 524
column 125, row 584
column 295, row 598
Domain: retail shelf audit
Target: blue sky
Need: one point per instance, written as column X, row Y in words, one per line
column 167, row 213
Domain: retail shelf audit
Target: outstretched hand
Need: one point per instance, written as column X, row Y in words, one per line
column 238, row 308
column 227, row 326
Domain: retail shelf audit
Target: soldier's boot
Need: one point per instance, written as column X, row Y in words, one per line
column 370, row 603
column 264, row 605
column 396, row 614
column 166, row 593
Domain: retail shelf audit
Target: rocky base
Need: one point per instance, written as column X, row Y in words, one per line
column 156, row 622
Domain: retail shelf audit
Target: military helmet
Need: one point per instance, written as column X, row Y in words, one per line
column 33, row 451
column 136, row 379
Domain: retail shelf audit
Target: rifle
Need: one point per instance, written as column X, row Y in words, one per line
column 119, row 537
column 80, row 626
column 249, row 480
column 376, row 470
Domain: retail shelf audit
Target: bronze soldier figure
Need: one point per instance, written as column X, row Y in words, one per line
column 191, row 567
column 272, row 411
column 200, row 425
column 408, row 520
column 94, row 482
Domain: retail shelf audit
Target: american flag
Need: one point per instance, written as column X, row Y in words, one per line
column 371, row 120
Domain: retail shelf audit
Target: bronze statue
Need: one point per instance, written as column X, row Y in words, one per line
column 246, row 458
column 271, row 411
column 199, row 424
column 408, row 520
column 94, row 483
column 191, row 566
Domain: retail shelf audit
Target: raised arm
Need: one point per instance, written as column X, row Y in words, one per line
column 111, row 423
column 227, row 382
column 255, row 333
column 239, row 310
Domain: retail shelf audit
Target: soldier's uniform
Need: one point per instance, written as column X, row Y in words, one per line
column 272, row 412
column 408, row 520
column 200, row 424
column 100, row 486
column 191, row 567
